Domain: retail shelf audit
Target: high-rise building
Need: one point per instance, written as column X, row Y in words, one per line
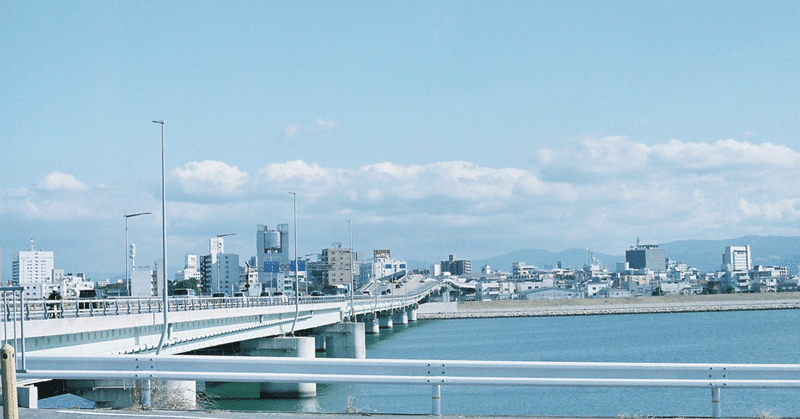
column 737, row 259
column 31, row 267
column 456, row 267
column 646, row 256
column 337, row 264
column 219, row 271
column 272, row 256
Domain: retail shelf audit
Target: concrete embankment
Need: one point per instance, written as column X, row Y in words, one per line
column 600, row 306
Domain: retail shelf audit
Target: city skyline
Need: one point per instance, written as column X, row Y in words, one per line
column 436, row 128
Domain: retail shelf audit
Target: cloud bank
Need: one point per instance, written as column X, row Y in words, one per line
column 598, row 192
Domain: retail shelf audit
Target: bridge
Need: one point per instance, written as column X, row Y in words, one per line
column 256, row 326
column 104, row 350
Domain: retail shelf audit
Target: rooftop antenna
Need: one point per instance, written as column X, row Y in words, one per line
column 32, row 244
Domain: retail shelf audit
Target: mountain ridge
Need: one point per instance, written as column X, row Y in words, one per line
column 705, row 255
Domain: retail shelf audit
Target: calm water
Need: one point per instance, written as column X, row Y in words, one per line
column 727, row 337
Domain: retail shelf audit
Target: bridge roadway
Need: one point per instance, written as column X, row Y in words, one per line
column 134, row 326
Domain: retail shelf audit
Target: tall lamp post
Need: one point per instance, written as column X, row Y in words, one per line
column 127, row 276
column 352, row 282
column 219, row 236
column 296, row 268
column 163, row 239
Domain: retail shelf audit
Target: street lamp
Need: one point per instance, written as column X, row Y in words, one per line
column 218, row 253
column 127, row 276
column 352, row 282
column 163, row 239
column 296, row 268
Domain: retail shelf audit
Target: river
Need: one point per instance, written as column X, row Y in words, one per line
column 768, row 336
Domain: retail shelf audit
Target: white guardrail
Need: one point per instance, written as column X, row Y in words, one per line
column 434, row 373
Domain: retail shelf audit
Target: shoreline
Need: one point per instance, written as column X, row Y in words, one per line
column 610, row 306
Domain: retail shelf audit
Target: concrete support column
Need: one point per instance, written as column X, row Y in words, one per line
column 319, row 343
column 345, row 340
column 300, row 347
column 412, row 314
column 400, row 317
column 385, row 322
column 371, row 326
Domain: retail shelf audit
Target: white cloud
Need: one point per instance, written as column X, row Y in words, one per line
column 56, row 181
column 599, row 193
column 724, row 154
column 210, row 178
column 319, row 126
column 677, row 189
column 780, row 210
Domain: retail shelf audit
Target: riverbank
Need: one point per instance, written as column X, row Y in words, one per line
column 601, row 306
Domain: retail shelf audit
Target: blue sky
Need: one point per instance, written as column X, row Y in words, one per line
column 474, row 128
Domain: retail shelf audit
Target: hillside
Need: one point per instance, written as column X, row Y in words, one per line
column 705, row 255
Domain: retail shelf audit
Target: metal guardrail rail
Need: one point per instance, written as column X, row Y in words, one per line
column 13, row 315
column 71, row 308
column 434, row 373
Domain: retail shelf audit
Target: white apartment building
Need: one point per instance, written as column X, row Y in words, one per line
column 191, row 270
column 68, row 285
column 521, row 268
column 737, row 259
column 33, row 266
column 382, row 266
column 142, row 282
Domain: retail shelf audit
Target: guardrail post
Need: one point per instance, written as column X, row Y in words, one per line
column 8, row 365
column 145, row 389
column 716, row 409
column 436, row 400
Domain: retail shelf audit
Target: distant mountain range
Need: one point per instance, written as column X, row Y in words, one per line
column 705, row 255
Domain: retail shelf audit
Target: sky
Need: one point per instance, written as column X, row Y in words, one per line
column 473, row 128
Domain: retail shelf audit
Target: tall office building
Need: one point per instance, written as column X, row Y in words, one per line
column 456, row 267
column 338, row 268
column 272, row 256
column 737, row 259
column 31, row 267
column 219, row 271
column 646, row 256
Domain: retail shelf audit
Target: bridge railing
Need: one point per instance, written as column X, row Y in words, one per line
column 71, row 308
column 434, row 373
column 373, row 303
column 13, row 316
column 50, row 309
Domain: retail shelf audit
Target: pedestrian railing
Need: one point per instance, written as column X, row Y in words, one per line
column 14, row 302
column 15, row 309
column 434, row 373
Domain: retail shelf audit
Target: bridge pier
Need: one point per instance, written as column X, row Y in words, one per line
column 300, row 347
column 412, row 314
column 344, row 340
column 400, row 317
column 371, row 325
column 385, row 321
